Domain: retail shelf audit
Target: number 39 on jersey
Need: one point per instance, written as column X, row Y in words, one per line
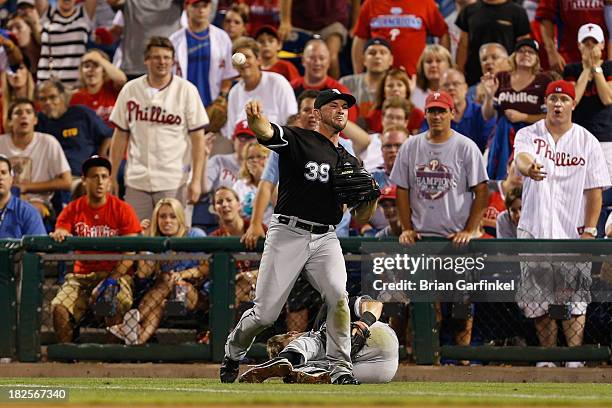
column 316, row 171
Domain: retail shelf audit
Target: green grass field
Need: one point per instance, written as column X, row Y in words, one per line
column 132, row 392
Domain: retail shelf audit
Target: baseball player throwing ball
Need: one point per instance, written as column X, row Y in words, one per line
column 301, row 232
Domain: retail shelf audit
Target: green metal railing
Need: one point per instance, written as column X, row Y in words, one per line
column 426, row 337
column 8, row 297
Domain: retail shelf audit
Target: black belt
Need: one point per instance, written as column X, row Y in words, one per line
column 315, row 229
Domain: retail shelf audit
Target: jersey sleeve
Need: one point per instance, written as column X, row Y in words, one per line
column 362, row 28
column 119, row 114
column 32, row 221
column 597, row 175
column 228, row 70
column 400, row 174
column 195, row 113
column 66, row 218
column 129, row 221
column 270, row 172
column 436, row 25
column 477, row 172
column 279, row 142
column 523, row 143
column 213, row 167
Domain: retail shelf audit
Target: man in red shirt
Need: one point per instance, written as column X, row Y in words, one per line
column 316, row 59
column 568, row 16
column 96, row 214
column 405, row 24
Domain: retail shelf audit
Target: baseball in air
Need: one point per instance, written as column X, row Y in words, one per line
column 238, row 58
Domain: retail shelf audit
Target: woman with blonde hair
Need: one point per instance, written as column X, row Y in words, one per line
column 181, row 277
column 432, row 65
column 255, row 158
column 517, row 97
column 394, row 84
column 101, row 82
column 15, row 84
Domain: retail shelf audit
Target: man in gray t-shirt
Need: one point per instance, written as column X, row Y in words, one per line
column 143, row 20
column 441, row 179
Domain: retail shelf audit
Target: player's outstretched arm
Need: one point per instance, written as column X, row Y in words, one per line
column 258, row 123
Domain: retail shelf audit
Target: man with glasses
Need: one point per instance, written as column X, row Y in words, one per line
column 441, row 179
column 161, row 118
column 467, row 118
column 17, row 217
column 80, row 132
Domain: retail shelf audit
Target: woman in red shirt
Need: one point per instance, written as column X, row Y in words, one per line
column 101, row 82
column 395, row 83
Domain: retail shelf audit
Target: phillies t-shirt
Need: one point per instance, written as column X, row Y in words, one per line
column 114, row 218
column 405, row 24
column 569, row 16
column 439, row 177
column 529, row 100
column 102, row 102
column 591, row 113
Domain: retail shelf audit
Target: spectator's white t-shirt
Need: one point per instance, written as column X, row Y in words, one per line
column 42, row 160
column 275, row 94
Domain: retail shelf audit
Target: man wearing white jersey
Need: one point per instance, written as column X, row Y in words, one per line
column 272, row 89
column 565, row 172
column 160, row 119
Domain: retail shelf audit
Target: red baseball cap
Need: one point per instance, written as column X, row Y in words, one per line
column 267, row 29
column 388, row 193
column 563, row 87
column 439, row 99
column 242, row 128
column 189, row 2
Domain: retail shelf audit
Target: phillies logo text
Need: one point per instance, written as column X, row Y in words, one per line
column 153, row 114
column 559, row 158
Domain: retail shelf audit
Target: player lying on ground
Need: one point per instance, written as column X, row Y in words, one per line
column 374, row 351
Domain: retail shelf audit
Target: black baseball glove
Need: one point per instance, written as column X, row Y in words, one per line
column 354, row 185
column 359, row 336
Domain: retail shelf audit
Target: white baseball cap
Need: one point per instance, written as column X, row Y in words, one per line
column 590, row 30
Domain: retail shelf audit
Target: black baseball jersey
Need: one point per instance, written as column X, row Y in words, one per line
column 306, row 160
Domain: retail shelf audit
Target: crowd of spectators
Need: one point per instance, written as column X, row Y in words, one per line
column 139, row 81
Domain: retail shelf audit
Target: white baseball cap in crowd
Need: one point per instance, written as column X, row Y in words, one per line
column 28, row 2
column 590, row 30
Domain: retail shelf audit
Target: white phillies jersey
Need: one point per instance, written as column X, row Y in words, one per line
column 554, row 207
column 159, row 122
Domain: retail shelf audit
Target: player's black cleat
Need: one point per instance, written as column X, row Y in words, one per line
column 346, row 379
column 277, row 367
column 229, row 370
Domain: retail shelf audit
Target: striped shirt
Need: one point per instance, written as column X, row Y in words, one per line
column 554, row 208
column 64, row 41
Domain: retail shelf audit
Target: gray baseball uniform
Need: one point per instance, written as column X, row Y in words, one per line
column 301, row 236
column 376, row 362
